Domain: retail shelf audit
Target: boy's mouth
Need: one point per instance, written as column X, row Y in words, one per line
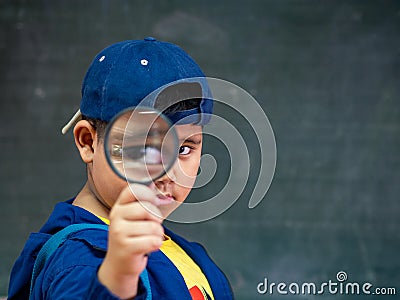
column 164, row 199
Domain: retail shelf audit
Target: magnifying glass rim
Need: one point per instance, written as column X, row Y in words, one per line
column 171, row 129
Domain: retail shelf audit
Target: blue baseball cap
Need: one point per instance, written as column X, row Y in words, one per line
column 134, row 73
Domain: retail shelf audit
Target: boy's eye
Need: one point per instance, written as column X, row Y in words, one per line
column 149, row 155
column 184, row 150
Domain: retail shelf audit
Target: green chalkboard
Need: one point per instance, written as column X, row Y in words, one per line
column 327, row 75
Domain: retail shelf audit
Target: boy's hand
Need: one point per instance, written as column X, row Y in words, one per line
column 134, row 231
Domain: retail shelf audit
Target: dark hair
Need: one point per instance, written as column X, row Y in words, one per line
column 97, row 124
column 189, row 92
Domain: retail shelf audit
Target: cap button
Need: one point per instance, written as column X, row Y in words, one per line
column 150, row 39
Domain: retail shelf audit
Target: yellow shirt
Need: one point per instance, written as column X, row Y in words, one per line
column 105, row 220
column 195, row 279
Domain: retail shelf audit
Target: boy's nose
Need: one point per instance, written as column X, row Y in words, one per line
column 168, row 177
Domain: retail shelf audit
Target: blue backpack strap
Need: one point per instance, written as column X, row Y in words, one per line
column 59, row 238
column 144, row 276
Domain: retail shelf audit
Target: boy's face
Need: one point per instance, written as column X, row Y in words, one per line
column 176, row 184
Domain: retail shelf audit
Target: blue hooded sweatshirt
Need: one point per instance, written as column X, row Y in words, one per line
column 71, row 272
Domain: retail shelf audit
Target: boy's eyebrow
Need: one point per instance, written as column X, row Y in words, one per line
column 191, row 140
column 121, row 136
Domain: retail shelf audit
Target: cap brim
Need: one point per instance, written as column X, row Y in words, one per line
column 72, row 122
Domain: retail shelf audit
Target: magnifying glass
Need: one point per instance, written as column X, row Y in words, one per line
column 140, row 144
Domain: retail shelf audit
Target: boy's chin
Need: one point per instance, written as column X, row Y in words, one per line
column 168, row 209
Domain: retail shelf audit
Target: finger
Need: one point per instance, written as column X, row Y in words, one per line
column 135, row 192
column 139, row 228
column 135, row 211
column 145, row 244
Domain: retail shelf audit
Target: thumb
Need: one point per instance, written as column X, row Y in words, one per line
column 136, row 192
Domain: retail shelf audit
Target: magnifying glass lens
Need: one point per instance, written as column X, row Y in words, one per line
column 141, row 145
column 148, row 154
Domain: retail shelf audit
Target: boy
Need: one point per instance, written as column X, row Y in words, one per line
column 96, row 264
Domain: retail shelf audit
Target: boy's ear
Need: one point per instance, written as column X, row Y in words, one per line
column 85, row 140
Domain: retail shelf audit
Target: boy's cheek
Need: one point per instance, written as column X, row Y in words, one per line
column 187, row 176
column 108, row 184
column 109, row 190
